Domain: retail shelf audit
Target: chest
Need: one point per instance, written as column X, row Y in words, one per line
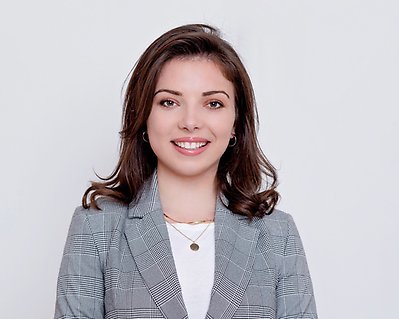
column 144, row 283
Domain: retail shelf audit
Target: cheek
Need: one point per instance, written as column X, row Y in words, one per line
column 159, row 130
column 223, row 130
column 227, row 125
column 155, row 124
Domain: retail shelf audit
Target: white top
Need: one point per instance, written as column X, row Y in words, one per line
column 195, row 269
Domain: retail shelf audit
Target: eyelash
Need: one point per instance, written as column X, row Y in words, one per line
column 168, row 103
column 220, row 104
column 165, row 103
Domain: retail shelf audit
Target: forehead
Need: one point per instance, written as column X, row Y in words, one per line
column 192, row 71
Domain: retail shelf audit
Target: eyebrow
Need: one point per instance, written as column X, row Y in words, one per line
column 215, row 92
column 169, row 91
column 208, row 93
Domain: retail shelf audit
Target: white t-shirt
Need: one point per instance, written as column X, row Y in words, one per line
column 195, row 269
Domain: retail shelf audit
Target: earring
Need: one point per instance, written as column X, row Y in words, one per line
column 145, row 136
column 233, row 141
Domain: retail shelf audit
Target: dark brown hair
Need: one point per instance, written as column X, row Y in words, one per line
column 242, row 168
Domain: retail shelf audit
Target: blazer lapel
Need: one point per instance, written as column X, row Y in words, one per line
column 149, row 244
column 148, row 240
column 235, row 242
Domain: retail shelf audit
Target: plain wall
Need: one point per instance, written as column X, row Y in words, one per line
column 326, row 79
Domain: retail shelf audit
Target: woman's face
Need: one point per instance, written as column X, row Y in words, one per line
column 192, row 117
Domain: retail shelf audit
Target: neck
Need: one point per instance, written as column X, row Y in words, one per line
column 187, row 199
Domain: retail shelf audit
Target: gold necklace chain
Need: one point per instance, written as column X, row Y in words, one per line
column 194, row 246
column 190, row 223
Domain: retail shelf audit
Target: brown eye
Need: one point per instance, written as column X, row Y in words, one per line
column 167, row 103
column 215, row 104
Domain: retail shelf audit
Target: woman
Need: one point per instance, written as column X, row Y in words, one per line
column 182, row 227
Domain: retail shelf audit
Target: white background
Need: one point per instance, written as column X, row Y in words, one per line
column 326, row 79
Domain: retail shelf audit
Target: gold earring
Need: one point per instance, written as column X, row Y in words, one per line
column 233, row 141
column 145, row 137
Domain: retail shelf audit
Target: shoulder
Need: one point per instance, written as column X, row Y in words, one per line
column 280, row 228
column 110, row 215
column 91, row 230
column 277, row 223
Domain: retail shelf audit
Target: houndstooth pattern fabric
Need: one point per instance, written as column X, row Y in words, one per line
column 118, row 263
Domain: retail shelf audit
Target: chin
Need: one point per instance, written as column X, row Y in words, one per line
column 190, row 171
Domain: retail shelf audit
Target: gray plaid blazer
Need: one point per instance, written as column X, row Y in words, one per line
column 118, row 263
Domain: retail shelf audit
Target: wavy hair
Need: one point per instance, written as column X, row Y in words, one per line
column 245, row 177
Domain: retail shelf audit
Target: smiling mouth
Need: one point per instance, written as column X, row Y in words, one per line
column 190, row 145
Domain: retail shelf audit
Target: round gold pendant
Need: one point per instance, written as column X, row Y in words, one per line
column 194, row 246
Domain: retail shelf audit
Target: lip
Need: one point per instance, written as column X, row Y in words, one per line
column 191, row 139
column 190, row 152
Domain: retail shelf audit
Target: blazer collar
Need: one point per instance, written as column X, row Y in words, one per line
column 148, row 239
column 148, row 201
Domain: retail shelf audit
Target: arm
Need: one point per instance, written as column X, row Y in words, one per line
column 80, row 286
column 295, row 298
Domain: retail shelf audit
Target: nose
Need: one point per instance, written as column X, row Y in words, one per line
column 190, row 119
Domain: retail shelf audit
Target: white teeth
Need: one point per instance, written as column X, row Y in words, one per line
column 190, row 145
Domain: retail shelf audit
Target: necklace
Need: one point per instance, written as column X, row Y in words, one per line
column 193, row 246
column 196, row 222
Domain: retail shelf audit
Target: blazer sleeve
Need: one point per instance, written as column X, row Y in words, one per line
column 80, row 285
column 295, row 298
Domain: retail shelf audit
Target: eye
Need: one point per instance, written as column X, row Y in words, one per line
column 215, row 104
column 167, row 103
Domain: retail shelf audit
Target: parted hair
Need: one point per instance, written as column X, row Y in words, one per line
column 245, row 177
